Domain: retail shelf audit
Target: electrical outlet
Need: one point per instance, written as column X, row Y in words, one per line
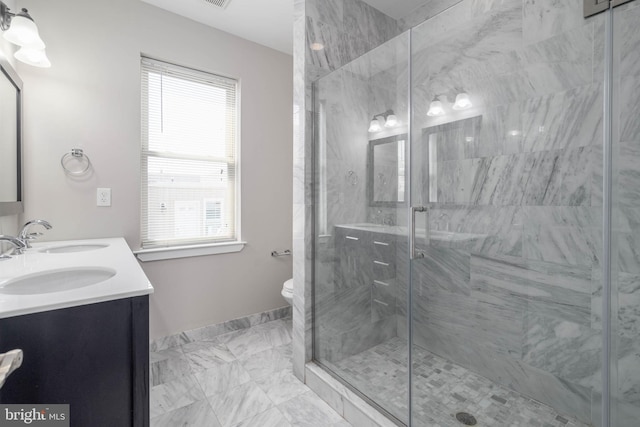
column 103, row 197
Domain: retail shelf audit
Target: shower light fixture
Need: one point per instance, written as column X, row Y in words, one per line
column 387, row 119
column 374, row 126
column 20, row 30
column 317, row 46
column 435, row 108
column 462, row 102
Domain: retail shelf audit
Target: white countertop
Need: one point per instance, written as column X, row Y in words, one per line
column 129, row 280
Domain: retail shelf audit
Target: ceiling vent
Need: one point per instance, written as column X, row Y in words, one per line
column 219, row 3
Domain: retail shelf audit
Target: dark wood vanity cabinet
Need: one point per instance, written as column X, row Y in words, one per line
column 93, row 357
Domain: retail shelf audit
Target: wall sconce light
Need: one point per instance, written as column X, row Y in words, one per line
column 462, row 102
column 435, row 108
column 387, row 119
column 20, row 30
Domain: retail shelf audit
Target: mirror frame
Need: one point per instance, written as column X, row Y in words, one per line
column 14, row 207
column 370, row 167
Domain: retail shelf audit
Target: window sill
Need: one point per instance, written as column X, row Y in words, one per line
column 158, row 254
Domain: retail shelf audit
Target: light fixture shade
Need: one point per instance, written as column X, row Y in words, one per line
column 462, row 102
column 435, row 109
column 375, row 125
column 24, row 32
column 392, row 121
column 35, row 57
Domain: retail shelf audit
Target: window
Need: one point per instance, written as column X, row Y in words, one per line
column 189, row 161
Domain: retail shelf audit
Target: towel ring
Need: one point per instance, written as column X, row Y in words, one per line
column 75, row 153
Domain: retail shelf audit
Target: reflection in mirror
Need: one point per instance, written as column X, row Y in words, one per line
column 386, row 174
column 10, row 140
column 449, row 141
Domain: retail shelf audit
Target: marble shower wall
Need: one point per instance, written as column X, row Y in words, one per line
column 347, row 317
column 513, row 301
column 347, row 29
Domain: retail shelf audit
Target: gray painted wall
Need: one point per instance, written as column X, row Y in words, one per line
column 90, row 99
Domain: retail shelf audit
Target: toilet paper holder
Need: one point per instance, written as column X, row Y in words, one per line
column 281, row 253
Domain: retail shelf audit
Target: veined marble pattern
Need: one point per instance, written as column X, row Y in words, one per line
column 441, row 389
column 238, row 379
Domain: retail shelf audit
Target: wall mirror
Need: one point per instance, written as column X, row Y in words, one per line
column 386, row 171
column 10, row 140
column 452, row 141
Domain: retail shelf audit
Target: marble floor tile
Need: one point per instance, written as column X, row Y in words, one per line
column 246, row 341
column 174, row 394
column 240, row 403
column 198, row 414
column 169, row 369
column 265, row 363
column 171, row 353
column 222, row 377
column 277, row 332
column 234, row 380
column 281, row 386
column 269, row 418
column 440, row 389
column 308, row 410
column 207, row 356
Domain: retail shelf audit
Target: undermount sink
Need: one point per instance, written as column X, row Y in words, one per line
column 56, row 280
column 73, row 248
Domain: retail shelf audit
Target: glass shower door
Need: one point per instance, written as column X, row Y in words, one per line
column 506, row 149
column 361, row 264
column 625, row 230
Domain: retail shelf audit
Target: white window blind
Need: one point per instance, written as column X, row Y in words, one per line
column 189, row 161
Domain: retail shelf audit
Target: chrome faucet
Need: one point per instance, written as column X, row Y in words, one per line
column 26, row 237
column 18, row 245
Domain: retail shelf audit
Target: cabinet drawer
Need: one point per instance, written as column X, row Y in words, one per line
column 383, row 270
column 383, row 247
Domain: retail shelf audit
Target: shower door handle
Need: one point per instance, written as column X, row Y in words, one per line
column 412, row 232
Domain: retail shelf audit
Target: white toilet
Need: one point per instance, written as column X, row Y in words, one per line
column 287, row 291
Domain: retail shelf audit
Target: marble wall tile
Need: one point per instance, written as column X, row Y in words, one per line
column 442, row 268
column 560, row 63
column 563, row 292
column 547, row 18
column 563, row 119
column 629, row 39
column 429, row 9
column 567, row 245
column 565, row 349
column 626, row 295
column 499, row 181
column 330, row 57
column 438, row 313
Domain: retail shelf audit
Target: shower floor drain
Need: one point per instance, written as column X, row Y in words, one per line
column 466, row 419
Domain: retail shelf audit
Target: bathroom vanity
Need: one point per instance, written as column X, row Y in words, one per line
column 80, row 313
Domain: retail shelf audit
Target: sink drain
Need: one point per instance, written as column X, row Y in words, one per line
column 466, row 419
